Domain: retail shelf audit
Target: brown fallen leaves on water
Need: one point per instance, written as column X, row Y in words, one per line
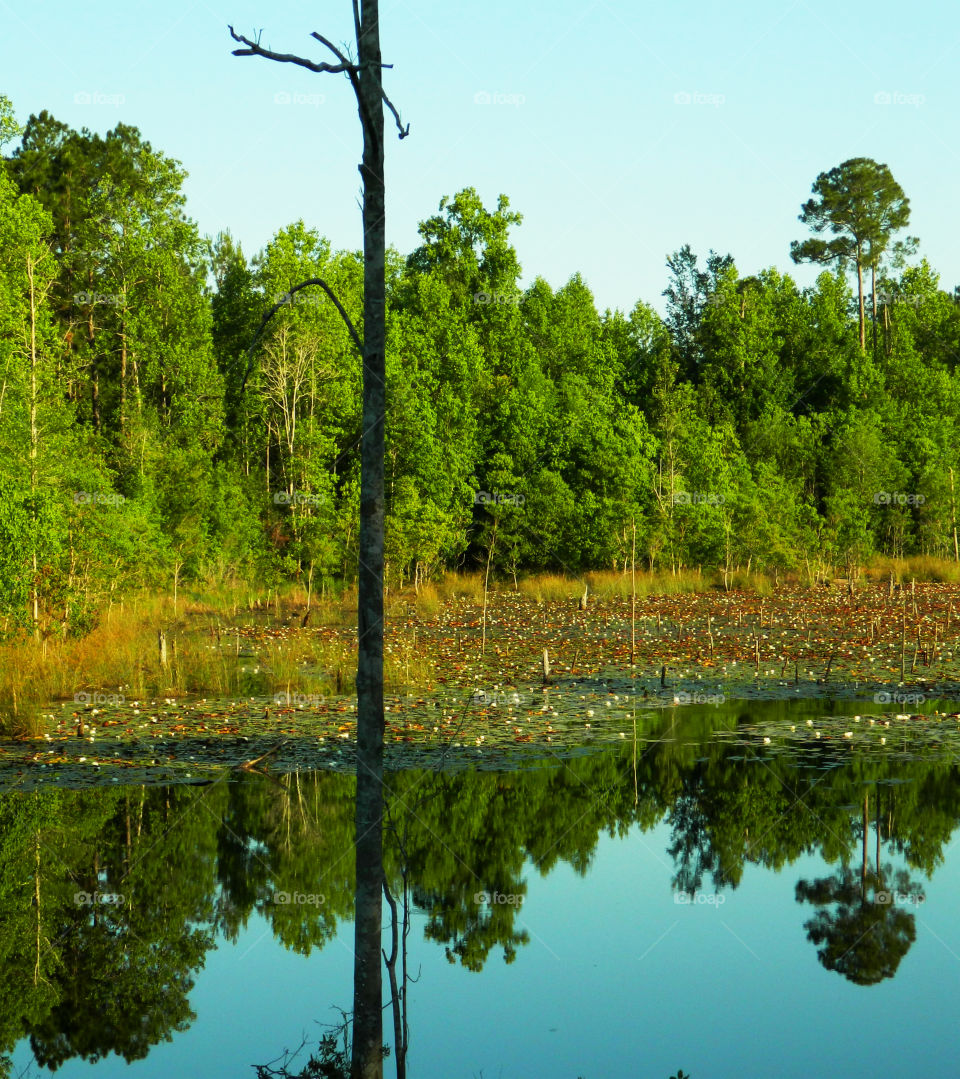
column 798, row 642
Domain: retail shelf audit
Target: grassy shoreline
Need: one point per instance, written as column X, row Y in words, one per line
column 752, row 639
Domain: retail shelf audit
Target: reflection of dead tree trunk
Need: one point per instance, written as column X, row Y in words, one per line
column 878, row 819
column 365, row 78
column 866, row 837
column 36, row 900
column 398, row 994
column 399, row 932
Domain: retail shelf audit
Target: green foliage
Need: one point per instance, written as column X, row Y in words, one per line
column 745, row 429
column 859, row 205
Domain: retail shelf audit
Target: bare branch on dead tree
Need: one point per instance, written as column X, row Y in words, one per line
column 344, row 65
column 254, row 48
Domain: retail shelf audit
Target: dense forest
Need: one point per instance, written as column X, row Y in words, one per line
column 149, row 436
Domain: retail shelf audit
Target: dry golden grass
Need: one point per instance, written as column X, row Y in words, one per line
column 428, row 600
column 236, row 641
column 759, row 583
column 456, row 586
column 205, row 652
column 549, row 587
column 918, row 568
column 609, row 583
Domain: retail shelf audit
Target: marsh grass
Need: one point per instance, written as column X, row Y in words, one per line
column 920, row 568
column 610, row 584
column 428, row 601
column 222, row 643
column 238, row 642
column 758, row 583
column 235, row 642
column 615, row 585
column 459, row 586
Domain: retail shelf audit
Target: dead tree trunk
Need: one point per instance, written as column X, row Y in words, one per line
column 365, row 78
column 367, row 1060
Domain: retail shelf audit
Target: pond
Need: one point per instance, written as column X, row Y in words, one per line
column 750, row 889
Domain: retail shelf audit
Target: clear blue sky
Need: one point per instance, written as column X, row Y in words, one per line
column 588, row 130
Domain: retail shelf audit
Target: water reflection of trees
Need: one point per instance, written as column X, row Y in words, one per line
column 863, row 926
column 191, row 863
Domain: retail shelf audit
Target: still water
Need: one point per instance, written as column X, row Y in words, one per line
column 703, row 899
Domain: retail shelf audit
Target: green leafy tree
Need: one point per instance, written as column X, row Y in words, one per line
column 860, row 205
